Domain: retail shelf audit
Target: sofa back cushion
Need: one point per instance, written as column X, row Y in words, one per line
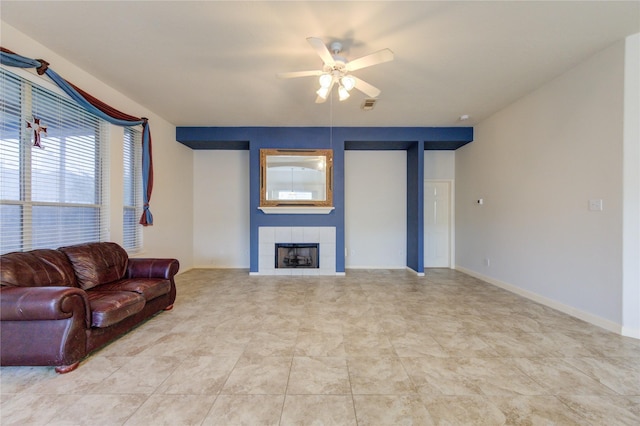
column 97, row 263
column 36, row 268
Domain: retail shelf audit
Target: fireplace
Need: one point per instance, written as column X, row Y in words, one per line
column 297, row 255
column 323, row 236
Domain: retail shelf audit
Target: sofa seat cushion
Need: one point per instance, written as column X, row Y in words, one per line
column 110, row 307
column 150, row 288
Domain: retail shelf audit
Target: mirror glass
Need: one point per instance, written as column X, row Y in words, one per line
column 296, row 177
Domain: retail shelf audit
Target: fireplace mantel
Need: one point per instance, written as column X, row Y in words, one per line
column 297, row 210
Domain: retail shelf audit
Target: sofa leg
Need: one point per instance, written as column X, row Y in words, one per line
column 63, row 369
column 168, row 308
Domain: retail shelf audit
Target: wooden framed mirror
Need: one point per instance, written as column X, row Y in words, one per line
column 291, row 177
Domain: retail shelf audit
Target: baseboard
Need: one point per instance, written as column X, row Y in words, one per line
column 246, row 268
column 211, row 267
column 389, row 268
column 569, row 310
column 374, row 267
column 631, row 332
column 258, row 274
column 419, row 274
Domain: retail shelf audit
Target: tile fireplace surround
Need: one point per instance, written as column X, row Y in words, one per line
column 268, row 236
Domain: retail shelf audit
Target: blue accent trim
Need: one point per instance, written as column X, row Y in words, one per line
column 415, row 140
column 338, row 201
column 415, row 207
column 354, row 138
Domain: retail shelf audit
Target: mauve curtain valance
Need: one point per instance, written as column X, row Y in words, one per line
column 100, row 109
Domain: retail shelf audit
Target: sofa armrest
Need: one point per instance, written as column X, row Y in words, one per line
column 152, row 268
column 43, row 303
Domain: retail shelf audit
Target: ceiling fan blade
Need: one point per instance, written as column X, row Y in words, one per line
column 366, row 88
column 295, row 74
column 322, row 50
column 384, row 55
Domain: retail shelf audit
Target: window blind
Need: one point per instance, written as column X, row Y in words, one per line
column 132, row 203
column 56, row 194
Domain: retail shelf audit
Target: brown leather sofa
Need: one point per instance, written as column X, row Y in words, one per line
column 57, row 306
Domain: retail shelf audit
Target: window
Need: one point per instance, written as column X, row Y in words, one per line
column 132, row 210
column 54, row 195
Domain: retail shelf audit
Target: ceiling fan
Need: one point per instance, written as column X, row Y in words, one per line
column 336, row 70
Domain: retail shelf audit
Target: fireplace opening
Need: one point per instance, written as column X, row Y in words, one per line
column 297, row 255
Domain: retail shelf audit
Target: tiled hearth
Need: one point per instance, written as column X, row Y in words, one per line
column 268, row 236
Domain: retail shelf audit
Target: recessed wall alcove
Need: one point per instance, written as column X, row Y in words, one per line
column 413, row 140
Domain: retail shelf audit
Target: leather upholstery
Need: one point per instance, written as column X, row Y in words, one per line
column 110, row 307
column 41, row 303
column 97, row 263
column 149, row 288
column 145, row 268
column 57, row 306
column 37, row 268
column 55, row 334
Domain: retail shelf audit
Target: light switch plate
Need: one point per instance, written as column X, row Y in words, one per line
column 595, row 205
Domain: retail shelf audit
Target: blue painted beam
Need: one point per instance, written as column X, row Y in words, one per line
column 415, row 207
column 354, row 138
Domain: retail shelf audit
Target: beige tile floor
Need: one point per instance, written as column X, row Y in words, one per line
column 372, row 348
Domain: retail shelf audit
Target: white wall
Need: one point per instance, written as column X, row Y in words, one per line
column 440, row 165
column 221, row 209
column 536, row 164
column 375, row 209
column 172, row 199
column 631, row 215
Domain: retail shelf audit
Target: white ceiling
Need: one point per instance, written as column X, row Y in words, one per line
column 212, row 63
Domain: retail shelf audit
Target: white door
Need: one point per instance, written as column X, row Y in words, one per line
column 437, row 224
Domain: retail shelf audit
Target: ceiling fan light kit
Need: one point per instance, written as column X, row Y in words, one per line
column 323, row 92
column 325, row 80
column 348, row 82
column 342, row 93
column 336, row 69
